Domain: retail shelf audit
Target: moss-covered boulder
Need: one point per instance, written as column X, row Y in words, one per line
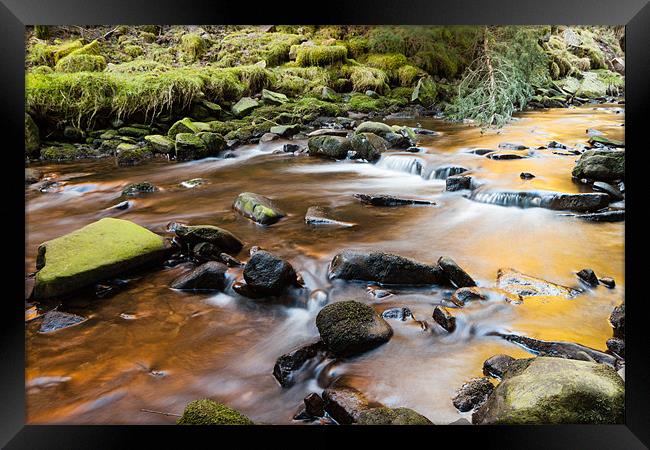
column 350, row 327
column 61, row 152
column 258, row 208
column 244, row 106
column 333, row 147
column 81, row 63
column 368, row 146
column 391, row 416
column 599, row 141
column 160, row 143
column 209, row 412
column 195, row 234
column 191, row 146
column 547, row 390
column 32, row 139
column 377, row 128
column 134, row 131
column 131, row 154
column 285, row 130
column 186, row 125
column 273, row 98
column 396, row 136
column 602, row 165
column 93, row 253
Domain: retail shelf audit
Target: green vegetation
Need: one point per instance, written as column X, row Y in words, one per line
column 208, row 412
column 320, row 55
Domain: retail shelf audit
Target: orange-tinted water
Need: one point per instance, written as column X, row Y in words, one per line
column 222, row 347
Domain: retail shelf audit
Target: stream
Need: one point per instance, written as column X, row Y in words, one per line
column 150, row 347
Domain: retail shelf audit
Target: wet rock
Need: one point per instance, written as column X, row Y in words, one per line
column 546, row 390
column 244, row 106
column 273, row 98
column 328, row 132
column 258, row 208
column 96, row 252
column 472, row 394
column 512, row 146
column 455, row 273
column 616, row 346
column 605, row 216
column 497, row 365
column 230, row 261
column 424, row 131
column 384, row 268
column 413, row 149
column 568, row 350
column 135, row 189
column 588, row 276
column 505, row 156
column 458, row 183
column 481, row 151
column 344, row 404
column 333, row 147
column 193, row 183
column 389, row 200
column 314, row 405
column 515, row 282
column 292, row 148
column 398, row 137
column 289, row 364
column 197, row 146
column 391, row 416
column 160, row 143
column 222, row 239
column 268, row 275
column 348, row 328
column 285, row 130
column 444, row 318
column 617, row 320
column 110, row 287
column 318, row 215
column 608, row 282
column 268, row 137
column 607, row 188
column 555, row 144
column 376, row 292
column 57, row 320
column 444, row 172
column 205, row 251
column 397, row 313
column 210, row 276
column 602, row 141
column 208, row 412
column 526, row 176
column 368, row 146
column 466, row 294
column 32, row 176
column 601, row 165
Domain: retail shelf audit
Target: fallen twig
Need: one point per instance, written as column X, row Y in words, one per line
column 160, row 412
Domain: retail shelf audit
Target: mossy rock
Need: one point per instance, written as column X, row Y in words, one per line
column 258, row 208
column 61, row 152
column 285, row 130
column 187, row 125
column 606, row 141
column 425, row 92
column 601, row 165
column 214, row 142
column 334, row 147
column 378, row 128
column 320, row 55
column 32, row 139
column 131, row 154
column 391, row 416
column 133, row 131
column 81, row 63
column 244, row 106
column 208, row 412
column 200, row 145
column 547, row 390
column 368, row 146
column 159, row 143
column 96, row 252
column 273, row 98
column 349, row 327
column 196, row 234
column 591, row 86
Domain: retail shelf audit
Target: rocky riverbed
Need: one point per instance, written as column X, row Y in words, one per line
column 366, row 274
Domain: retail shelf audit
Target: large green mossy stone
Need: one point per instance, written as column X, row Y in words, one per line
column 244, row 106
column 257, row 208
column 208, row 412
column 93, row 253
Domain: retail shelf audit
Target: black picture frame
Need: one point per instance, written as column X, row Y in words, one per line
column 635, row 14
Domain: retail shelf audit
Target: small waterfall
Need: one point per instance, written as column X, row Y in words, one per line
column 521, row 199
column 444, row 172
column 401, row 163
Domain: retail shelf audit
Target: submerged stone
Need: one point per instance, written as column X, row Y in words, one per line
column 318, row 215
column 135, row 189
column 210, row 276
column 515, row 282
column 93, row 253
column 57, row 320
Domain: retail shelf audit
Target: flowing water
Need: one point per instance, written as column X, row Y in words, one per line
column 154, row 348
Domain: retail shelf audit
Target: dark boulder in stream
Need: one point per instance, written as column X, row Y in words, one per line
column 588, row 276
column 267, row 275
column 472, row 394
column 333, row 147
column 617, row 320
column 458, row 183
column 258, row 208
column 546, row 390
column 455, row 273
column 349, row 327
column 496, row 365
column 601, row 165
column 345, row 404
column 444, row 318
column 368, row 146
column 210, row 276
column 540, row 199
column 389, row 200
column 384, row 268
column 195, row 234
column 466, row 294
column 289, row 364
column 616, row 346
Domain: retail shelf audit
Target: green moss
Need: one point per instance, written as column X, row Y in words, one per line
column 148, row 37
column 425, row 92
column 295, row 81
column 42, row 31
column 208, row 412
column 407, row 74
column 363, row 103
column 187, row 125
column 139, row 65
column 386, row 40
column 388, row 416
column 42, row 70
column 242, row 48
column 133, row 50
column 97, row 251
column 193, row 46
column 62, row 152
column 131, row 154
column 386, row 62
column 89, row 49
column 367, row 78
column 320, row 55
column 81, row 63
column 357, row 46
